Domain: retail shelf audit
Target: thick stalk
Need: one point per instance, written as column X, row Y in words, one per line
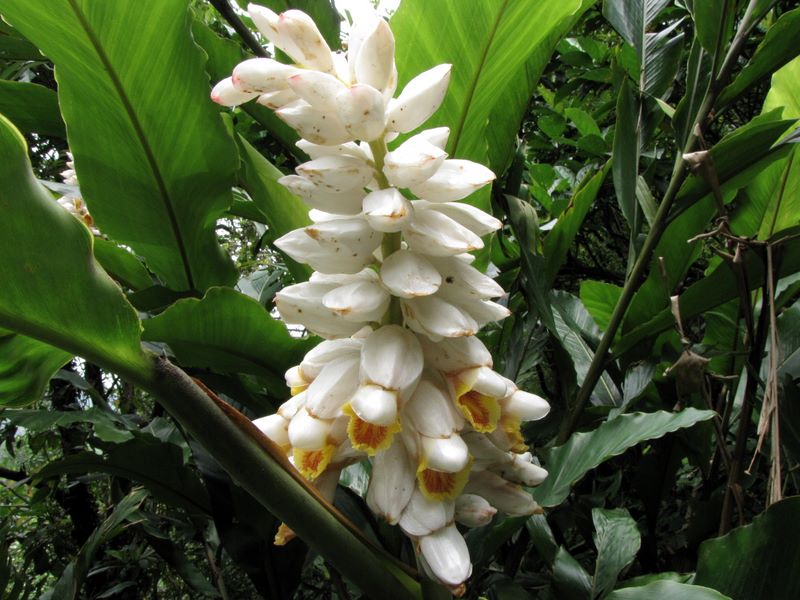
column 642, row 263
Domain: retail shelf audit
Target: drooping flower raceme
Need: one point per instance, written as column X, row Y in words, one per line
column 401, row 378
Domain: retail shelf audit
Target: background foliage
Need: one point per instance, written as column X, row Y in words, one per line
column 654, row 301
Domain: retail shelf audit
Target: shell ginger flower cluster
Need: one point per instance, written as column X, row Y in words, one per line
column 401, row 379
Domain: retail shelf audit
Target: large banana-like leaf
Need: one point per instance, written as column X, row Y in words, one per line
column 498, row 50
column 153, row 157
column 53, row 289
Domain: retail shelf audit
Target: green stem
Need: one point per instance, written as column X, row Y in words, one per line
column 642, row 263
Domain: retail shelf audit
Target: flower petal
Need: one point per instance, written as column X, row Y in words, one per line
column 466, row 278
column 456, row 354
column 299, row 37
column 447, row 555
column 368, row 437
column 419, row 99
column 362, row 110
column 473, row 511
column 374, row 63
column 262, row 75
column 449, row 455
column 392, row 483
column 341, row 203
column 423, row 516
column 505, row 496
column 387, row 210
column 413, row 162
column 437, row 318
column 314, row 125
column 226, row 94
column 456, row 179
column 335, row 385
column 316, row 88
column 276, row 428
column 307, row 432
column 436, row 234
column 373, row 404
column 391, row 358
column 337, row 173
column 526, row 406
column 348, row 149
column 478, row 222
column 277, row 100
column 362, row 301
column 324, row 352
column 408, row 275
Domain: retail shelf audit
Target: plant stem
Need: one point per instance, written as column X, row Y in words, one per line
column 224, row 8
column 656, row 231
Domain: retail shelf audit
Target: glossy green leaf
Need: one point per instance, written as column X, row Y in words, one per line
column 154, row 160
column 768, row 547
column 666, row 590
column 625, row 168
column 600, row 298
column 560, row 238
column 15, row 47
column 584, row 451
column 69, row 584
column 32, row 108
column 574, row 326
column 89, row 315
column 778, row 47
column 227, row 331
column 122, row 265
column 617, row 540
column 772, row 201
column 26, row 365
column 542, row 537
column 156, row 465
column 498, row 51
column 713, row 22
column 631, row 19
column 570, row 579
column 698, row 78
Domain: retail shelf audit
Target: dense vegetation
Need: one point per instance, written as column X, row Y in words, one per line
column 650, row 205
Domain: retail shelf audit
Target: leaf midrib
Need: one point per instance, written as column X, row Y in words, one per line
column 142, row 138
column 479, row 71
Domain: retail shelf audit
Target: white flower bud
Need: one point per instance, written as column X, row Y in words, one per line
column 423, row 516
column 362, row 110
column 307, row 432
column 413, row 162
column 448, row 455
column 375, row 405
column 338, row 203
column 391, row 358
column 447, row 555
column 335, row 385
column 419, row 99
column 316, row 88
column 362, row 301
column 392, row 482
column 262, row 75
column 374, row 63
column 437, row 318
column 436, row 234
column 471, row 217
column 275, row 427
column 314, row 125
column 473, row 511
column 525, row 406
column 408, row 275
column 456, row 179
column 387, row 210
column 337, row 173
column 226, row 94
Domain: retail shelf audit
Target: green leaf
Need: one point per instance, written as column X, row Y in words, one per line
column 108, row 426
column 584, row 122
column 631, row 18
column 560, row 238
column 156, row 465
column 227, row 331
column 773, row 197
column 778, row 47
column 89, row 315
column 600, row 298
column 713, row 22
column 573, row 326
column 283, row 210
column 26, row 365
column 32, row 108
column 154, row 160
column 625, row 168
column 617, row 540
column 583, row 452
column 767, row 546
column 666, row 590
column 498, row 51
column 542, row 537
column 698, row 78
column 69, row 584
column 176, row 558
column 122, row 265
column 570, row 579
